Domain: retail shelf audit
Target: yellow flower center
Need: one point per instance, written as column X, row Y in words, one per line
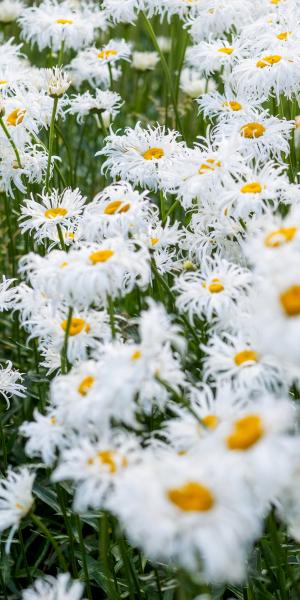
column 85, row 385
column 19, row 506
column 53, row 420
column 64, row 21
column 247, row 431
column 245, row 356
column 209, row 165
column 290, row 301
column 101, row 256
column 107, row 53
column 192, row 497
column 52, row 213
column 116, row 206
column 280, row 236
column 268, row 61
column 136, row 355
column 251, row 188
column 210, row 421
column 108, row 458
column 76, row 326
column 3, row 81
column 16, row 117
column 152, row 153
column 233, row 105
column 252, row 130
column 226, row 50
column 154, row 241
column 283, row 35
column 215, row 286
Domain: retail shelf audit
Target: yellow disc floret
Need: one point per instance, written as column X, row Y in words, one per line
column 108, row 458
column 77, row 325
column 226, row 50
column 85, row 385
column 246, row 432
column 245, row 356
column 268, row 61
column 215, row 287
column 210, row 421
column 104, row 54
column 52, row 213
column 153, row 153
column 252, row 130
column 64, row 21
column 101, row 256
column 16, row 117
column 192, row 497
column 290, row 301
column 279, row 237
column 233, row 105
column 251, row 188
column 116, row 206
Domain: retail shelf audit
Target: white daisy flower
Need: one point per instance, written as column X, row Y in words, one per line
column 108, row 269
column 259, row 437
column 236, row 359
column 270, row 237
column 95, row 466
column 224, row 106
column 118, row 210
column 257, row 190
column 107, row 103
column 135, row 155
column 213, row 55
column 212, row 292
column 87, row 66
column 275, row 71
column 53, row 23
column 56, row 208
column 16, row 500
column 88, row 331
column 124, row 12
column 257, row 137
column 44, row 435
column 51, row 588
column 10, row 382
column 196, row 503
column 7, row 294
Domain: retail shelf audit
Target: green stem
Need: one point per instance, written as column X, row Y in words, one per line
column 43, row 529
column 61, row 54
column 111, row 79
column 165, row 67
column 64, row 352
column 28, row 572
column 110, row 305
column 83, row 555
column 61, row 237
column 51, row 140
column 12, row 143
column 104, row 556
column 67, row 521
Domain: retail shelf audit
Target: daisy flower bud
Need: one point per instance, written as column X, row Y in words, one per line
column 145, row 61
column 10, row 10
column 57, row 81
